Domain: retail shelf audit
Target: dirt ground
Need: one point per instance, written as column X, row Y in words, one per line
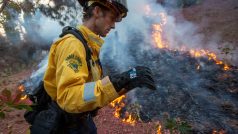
column 217, row 20
column 215, row 17
column 14, row 123
column 211, row 16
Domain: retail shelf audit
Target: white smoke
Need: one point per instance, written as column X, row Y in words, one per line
column 42, row 67
column 117, row 44
column 49, row 29
column 179, row 34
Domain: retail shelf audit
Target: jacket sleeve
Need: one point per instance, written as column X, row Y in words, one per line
column 74, row 95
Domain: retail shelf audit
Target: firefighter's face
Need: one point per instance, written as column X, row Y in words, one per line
column 105, row 22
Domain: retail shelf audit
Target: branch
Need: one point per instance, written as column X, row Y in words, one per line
column 4, row 4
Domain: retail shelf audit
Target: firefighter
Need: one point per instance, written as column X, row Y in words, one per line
column 70, row 83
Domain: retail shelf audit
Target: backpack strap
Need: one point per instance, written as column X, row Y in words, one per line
column 78, row 35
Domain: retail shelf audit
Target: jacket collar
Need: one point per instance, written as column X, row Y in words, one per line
column 93, row 40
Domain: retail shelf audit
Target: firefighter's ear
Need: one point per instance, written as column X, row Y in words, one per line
column 97, row 12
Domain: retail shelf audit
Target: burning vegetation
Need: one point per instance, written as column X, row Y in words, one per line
column 193, row 85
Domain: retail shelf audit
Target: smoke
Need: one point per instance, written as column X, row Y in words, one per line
column 132, row 37
column 49, row 29
column 132, row 32
column 135, row 31
column 33, row 82
column 132, row 40
column 41, row 29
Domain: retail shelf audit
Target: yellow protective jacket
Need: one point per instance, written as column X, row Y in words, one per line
column 67, row 78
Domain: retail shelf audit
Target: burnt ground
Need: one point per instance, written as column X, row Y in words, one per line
column 212, row 16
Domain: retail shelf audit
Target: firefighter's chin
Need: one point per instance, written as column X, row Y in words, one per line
column 105, row 33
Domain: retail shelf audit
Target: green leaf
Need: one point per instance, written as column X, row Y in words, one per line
column 2, row 115
column 184, row 128
column 22, row 106
column 9, row 103
column 171, row 125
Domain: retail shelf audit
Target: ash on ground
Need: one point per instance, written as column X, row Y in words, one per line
column 196, row 90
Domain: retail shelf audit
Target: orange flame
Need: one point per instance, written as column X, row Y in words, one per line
column 157, row 36
column 210, row 55
column 226, row 67
column 129, row 120
column 118, row 104
column 24, row 97
column 218, row 132
column 159, row 129
column 21, row 88
column 160, row 43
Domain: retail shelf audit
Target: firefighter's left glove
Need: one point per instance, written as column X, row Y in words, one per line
column 136, row 77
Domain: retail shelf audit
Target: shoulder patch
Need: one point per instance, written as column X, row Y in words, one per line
column 74, row 62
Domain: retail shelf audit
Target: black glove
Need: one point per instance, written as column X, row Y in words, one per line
column 136, row 77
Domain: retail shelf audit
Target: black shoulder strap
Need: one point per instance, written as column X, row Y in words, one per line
column 78, row 35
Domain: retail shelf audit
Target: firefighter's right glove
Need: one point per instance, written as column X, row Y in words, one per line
column 136, row 77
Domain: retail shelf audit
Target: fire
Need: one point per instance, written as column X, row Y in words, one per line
column 226, row 67
column 159, row 130
column 218, row 132
column 24, row 97
column 160, row 43
column 117, row 101
column 129, row 120
column 157, row 31
column 157, row 36
column 210, row 55
column 21, row 88
column 118, row 104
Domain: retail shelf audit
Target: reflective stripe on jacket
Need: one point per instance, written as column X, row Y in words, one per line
column 67, row 78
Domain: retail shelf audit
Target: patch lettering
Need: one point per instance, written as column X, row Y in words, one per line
column 74, row 62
